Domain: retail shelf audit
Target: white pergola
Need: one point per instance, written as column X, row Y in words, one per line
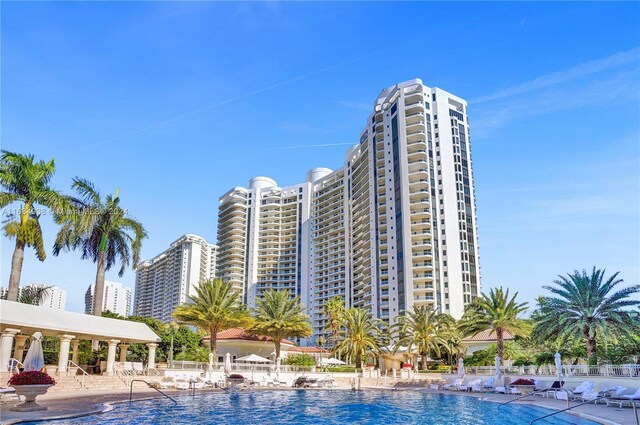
column 20, row 321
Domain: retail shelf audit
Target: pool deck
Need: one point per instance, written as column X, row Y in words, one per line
column 68, row 405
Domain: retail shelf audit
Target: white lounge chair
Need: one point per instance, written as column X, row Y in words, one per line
column 585, row 387
column 469, row 386
column 623, row 399
column 507, row 390
column 7, row 394
column 138, row 368
column 167, row 382
column 454, row 385
column 486, row 386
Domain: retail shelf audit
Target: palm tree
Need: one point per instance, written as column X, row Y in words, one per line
column 102, row 231
column 360, row 333
column 499, row 314
column 215, row 308
column 32, row 294
column 27, row 182
column 585, row 307
column 334, row 309
column 453, row 341
column 422, row 328
column 279, row 316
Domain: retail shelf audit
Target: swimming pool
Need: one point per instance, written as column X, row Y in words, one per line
column 323, row 407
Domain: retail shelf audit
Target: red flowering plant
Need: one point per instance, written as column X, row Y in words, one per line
column 32, row 377
column 407, row 365
column 522, row 381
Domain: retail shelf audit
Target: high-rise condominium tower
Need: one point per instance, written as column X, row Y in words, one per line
column 166, row 281
column 394, row 227
column 116, row 298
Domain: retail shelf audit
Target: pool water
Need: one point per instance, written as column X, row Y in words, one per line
column 323, row 407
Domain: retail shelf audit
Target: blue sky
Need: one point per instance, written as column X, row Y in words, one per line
column 175, row 103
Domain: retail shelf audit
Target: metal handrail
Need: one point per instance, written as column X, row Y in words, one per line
column 523, row 396
column 568, row 408
column 14, row 362
column 150, row 386
column 84, row 372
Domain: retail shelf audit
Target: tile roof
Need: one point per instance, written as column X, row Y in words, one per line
column 487, row 336
column 307, row 350
column 239, row 333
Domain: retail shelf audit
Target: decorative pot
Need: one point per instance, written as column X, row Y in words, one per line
column 30, row 392
column 525, row 389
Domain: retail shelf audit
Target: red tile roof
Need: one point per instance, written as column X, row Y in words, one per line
column 239, row 333
column 307, row 350
column 487, row 336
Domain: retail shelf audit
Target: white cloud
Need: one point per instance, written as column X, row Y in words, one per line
column 614, row 61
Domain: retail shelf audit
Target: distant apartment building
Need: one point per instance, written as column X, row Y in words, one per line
column 394, row 227
column 116, row 299
column 169, row 279
column 55, row 298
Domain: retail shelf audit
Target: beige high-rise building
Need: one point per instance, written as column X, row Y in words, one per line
column 169, row 279
column 394, row 227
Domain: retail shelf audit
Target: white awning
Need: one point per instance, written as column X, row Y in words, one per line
column 332, row 361
column 31, row 318
column 253, row 358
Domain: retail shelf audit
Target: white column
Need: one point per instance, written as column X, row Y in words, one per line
column 18, row 352
column 6, row 343
column 151, row 364
column 123, row 352
column 63, row 355
column 75, row 346
column 111, row 356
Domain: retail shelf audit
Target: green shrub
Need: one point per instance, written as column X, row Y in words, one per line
column 300, row 360
column 342, row 369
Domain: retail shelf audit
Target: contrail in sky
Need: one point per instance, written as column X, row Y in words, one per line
column 237, row 98
column 310, row 146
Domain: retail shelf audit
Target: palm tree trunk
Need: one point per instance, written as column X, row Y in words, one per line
column 591, row 346
column 277, row 344
column 500, row 343
column 424, row 362
column 213, row 342
column 16, row 270
column 358, row 360
column 98, row 295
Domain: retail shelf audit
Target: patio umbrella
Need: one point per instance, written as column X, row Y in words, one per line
column 332, row 361
column 558, row 361
column 35, row 358
column 227, row 362
column 210, row 362
column 461, row 370
column 498, row 372
column 253, row 358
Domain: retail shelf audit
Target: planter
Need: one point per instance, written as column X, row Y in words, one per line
column 72, row 371
column 30, row 392
column 525, row 389
column 51, row 370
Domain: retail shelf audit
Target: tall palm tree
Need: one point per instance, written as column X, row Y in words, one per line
column 27, row 182
column 422, row 328
column 215, row 307
column 279, row 316
column 584, row 307
column 360, row 333
column 103, row 232
column 31, row 294
column 453, row 337
column 334, row 309
column 499, row 314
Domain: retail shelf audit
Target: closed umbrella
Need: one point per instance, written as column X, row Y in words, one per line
column 210, row 362
column 35, row 357
column 461, row 370
column 227, row 362
column 558, row 361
